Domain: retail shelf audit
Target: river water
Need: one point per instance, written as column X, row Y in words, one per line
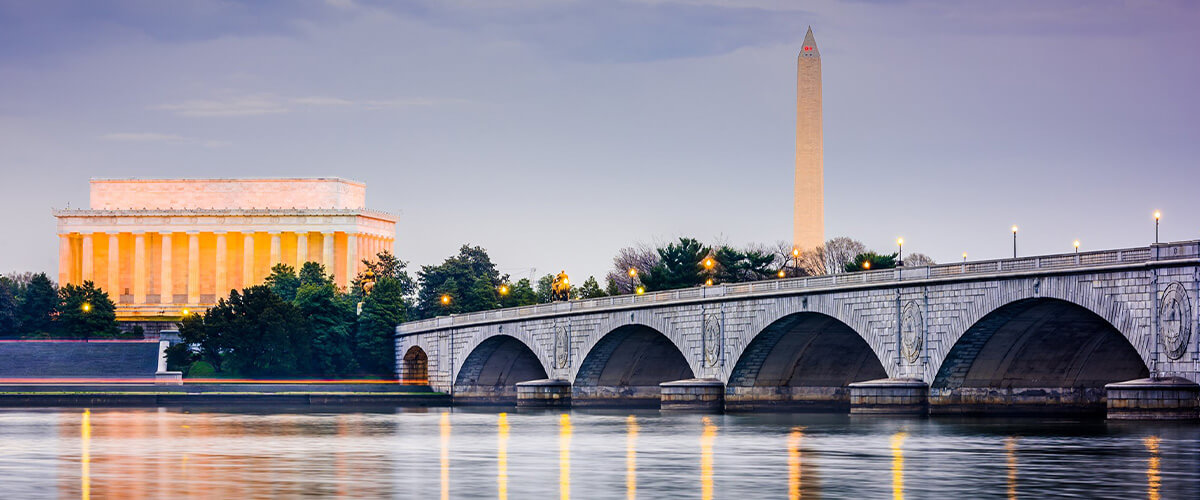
column 496, row 453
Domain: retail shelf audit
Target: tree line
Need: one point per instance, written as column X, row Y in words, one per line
column 32, row 306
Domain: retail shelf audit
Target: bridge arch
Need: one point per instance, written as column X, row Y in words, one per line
column 491, row 365
column 414, row 366
column 625, row 366
column 803, row 360
column 1034, row 350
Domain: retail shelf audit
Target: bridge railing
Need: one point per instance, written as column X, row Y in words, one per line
column 1158, row 252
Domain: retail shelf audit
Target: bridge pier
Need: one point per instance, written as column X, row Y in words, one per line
column 890, row 396
column 1168, row 398
column 693, row 394
column 545, row 393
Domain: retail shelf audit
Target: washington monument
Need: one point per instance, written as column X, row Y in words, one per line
column 809, row 222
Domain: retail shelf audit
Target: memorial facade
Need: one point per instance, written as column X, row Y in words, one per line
column 161, row 247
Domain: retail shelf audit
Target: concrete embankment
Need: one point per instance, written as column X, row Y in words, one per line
column 219, row 394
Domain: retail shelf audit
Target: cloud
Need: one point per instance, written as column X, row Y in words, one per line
column 265, row 104
column 161, row 138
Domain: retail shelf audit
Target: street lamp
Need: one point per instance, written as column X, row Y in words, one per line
column 503, row 290
column 782, row 274
column 708, row 282
column 1014, row 230
column 709, row 263
column 1076, row 246
column 1157, row 216
column 445, row 299
column 186, row 312
column 964, row 257
column 641, row 290
column 900, row 261
column 86, row 307
column 867, row 265
column 633, row 281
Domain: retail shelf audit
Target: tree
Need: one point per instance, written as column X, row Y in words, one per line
column 312, row 273
column 520, row 294
column 590, row 289
column 545, row 292
column 194, row 331
column 678, row 267
column 840, row 251
column 259, row 333
column 283, row 281
column 329, row 321
column 9, row 309
column 383, row 309
column 610, row 286
column 85, row 311
column 877, row 262
column 469, row 278
column 735, row 266
column 39, row 303
column 640, row 256
column 918, row 259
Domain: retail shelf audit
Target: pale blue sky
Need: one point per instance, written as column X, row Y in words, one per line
column 555, row 132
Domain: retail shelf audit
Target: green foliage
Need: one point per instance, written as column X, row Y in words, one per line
column 312, row 273
column 85, row 311
column 283, row 282
column 383, row 309
column 38, row 304
column 260, row 334
column 469, row 278
column 545, row 289
column 180, row 358
column 590, row 289
column 329, row 319
column 194, row 331
column 877, row 262
column 9, row 309
column 385, row 264
column 520, row 294
column 610, row 286
column 201, row 369
column 679, row 266
column 736, row 266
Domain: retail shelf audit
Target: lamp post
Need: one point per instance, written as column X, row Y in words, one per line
column 445, row 299
column 1157, row 216
column 86, row 307
column 782, row 274
column 1076, row 247
column 796, row 258
column 964, row 257
column 503, row 289
column 633, row 281
column 900, row 258
column 1014, row 230
column 866, row 265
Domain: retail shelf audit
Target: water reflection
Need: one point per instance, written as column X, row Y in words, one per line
column 794, row 462
column 85, row 455
column 444, row 427
column 631, row 432
column 898, row 465
column 1010, row 452
column 1153, row 479
column 564, row 456
column 707, row 436
column 502, row 456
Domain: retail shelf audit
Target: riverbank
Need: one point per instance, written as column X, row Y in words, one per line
column 208, row 394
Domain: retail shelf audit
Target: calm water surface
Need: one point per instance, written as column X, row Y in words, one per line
column 457, row 453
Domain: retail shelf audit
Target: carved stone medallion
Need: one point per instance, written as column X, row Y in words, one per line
column 562, row 346
column 912, row 331
column 1175, row 320
column 712, row 338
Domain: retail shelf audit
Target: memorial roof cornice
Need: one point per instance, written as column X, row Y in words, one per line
column 218, row 212
column 219, row 179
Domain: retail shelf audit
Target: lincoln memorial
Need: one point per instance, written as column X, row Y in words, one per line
column 162, row 246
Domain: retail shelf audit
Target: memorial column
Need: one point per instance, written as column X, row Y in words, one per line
column 351, row 259
column 88, row 262
column 221, row 287
column 166, row 286
column 327, row 251
column 193, row 287
column 276, row 249
column 301, row 250
column 248, row 260
column 65, row 262
column 139, row 267
column 114, row 267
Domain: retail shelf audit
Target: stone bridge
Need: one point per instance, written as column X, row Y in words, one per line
column 1027, row 334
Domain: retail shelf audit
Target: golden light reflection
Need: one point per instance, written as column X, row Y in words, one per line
column 631, row 432
column 85, row 455
column 502, row 456
column 1010, row 453
column 1153, row 477
column 898, row 465
column 707, row 437
column 564, row 456
column 444, row 425
column 795, row 476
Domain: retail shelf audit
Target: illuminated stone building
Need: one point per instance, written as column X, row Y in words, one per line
column 162, row 246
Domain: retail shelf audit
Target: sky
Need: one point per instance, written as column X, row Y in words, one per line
column 555, row 132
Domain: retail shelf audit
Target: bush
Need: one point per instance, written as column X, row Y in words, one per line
column 179, row 357
column 200, row 369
